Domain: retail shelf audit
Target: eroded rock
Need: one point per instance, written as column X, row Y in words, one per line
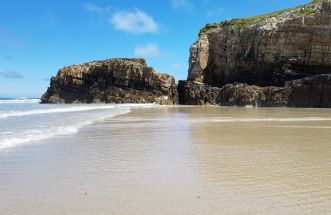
column 118, row 80
column 264, row 50
column 276, row 59
column 195, row 93
column 312, row 91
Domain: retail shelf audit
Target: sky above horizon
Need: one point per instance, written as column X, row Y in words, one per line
column 39, row 37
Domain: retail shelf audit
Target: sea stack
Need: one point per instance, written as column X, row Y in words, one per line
column 117, row 80
column 277, row 59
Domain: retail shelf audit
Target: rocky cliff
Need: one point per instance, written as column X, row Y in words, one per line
column 118, row 80
column 267, row 50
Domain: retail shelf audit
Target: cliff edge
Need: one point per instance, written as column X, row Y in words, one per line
column 269, row 50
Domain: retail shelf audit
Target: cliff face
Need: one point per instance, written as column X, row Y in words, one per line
column 117, row 80
column 267, row 50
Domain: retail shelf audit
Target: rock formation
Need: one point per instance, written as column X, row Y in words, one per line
column 266, row 51
column 191, row 93
column 314, row 91
column 117, row 80
column 236, row 94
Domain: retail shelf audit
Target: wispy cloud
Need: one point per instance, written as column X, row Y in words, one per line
column 11, row 75
column 136, row 22
column 182, row 4
column 90, row 7
column 148, row 50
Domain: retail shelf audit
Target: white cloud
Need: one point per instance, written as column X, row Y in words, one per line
column 90, row 7
column 149, row 50
column 134, row 22
column 182, row 4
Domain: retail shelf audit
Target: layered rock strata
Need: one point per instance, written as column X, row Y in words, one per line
column 118, row 80
column 267, row 52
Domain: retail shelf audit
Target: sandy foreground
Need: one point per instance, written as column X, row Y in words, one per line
column 177, row 160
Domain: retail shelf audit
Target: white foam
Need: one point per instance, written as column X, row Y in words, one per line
column 43, row 130
column 33, row 135
column 6, row 114
column 10, row 142
column 20, row 101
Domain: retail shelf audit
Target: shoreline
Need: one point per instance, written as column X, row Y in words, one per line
column 150, row 160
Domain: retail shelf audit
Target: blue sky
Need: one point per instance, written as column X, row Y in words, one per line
column 38, row 37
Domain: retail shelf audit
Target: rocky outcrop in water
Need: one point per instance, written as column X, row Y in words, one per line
column 267, row 52
column 118, row 80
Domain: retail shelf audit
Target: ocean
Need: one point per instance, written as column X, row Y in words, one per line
column 150, row 159
column 25, row 121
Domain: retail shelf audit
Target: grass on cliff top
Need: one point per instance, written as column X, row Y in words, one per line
column 255, row 19
column 243, row 22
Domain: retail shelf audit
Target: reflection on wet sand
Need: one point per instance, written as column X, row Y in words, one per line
column 271, row 165
column 178, row 160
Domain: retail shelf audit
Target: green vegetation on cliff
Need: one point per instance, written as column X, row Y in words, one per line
column 300, row 10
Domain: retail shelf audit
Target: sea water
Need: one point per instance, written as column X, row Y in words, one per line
column 26, row 121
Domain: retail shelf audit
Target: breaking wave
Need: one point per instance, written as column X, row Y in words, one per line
column 6, row 114
column 20, row 100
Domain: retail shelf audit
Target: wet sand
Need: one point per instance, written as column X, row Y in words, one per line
column 177, row 160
